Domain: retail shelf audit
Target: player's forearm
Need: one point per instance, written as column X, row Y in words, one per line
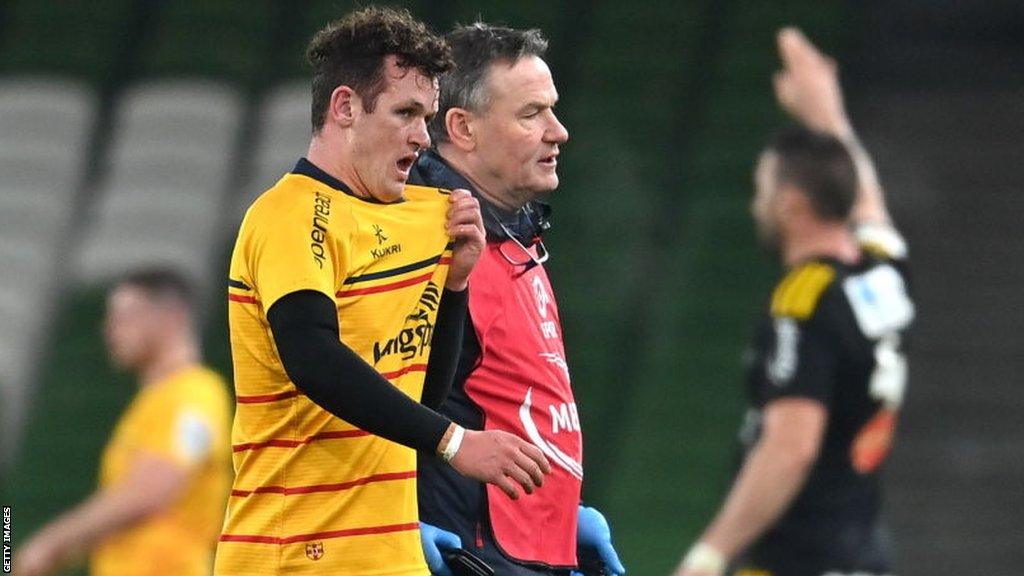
column 869, row 206
column 84, row 527
column 445, row 347
column 305, row 330
column 764, row 489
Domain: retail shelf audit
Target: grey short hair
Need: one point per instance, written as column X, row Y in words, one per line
column 475, row 47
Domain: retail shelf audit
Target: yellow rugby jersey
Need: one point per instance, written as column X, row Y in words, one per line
column 312, row 493
column 184, row 418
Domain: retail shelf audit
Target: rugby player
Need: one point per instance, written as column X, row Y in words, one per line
column 828, row 371
column 348, row 296
column 497, row 135
column 165, row 472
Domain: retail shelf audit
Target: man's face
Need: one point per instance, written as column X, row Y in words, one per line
column 764, row 206
column 517, row 135
column 132, row 326
column 385, row 142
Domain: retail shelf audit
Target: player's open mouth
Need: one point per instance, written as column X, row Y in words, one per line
column 405, row 163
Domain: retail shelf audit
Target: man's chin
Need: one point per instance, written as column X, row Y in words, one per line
column 545, row 186
column 391, row 194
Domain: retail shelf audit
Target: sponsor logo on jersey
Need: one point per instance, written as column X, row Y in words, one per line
column 379, row 253
column 552, row 451
column 321, row 218
column 414, row 339
column 556, row 359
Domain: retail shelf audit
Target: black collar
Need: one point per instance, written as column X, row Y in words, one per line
column 306, row 168
column 526, row 224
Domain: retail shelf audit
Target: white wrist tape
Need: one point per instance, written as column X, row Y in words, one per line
column 453, row 444
column 704, row 558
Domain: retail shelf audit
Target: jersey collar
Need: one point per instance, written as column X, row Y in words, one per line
column 306, row 168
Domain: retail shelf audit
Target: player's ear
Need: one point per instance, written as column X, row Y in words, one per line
column 344, row 100
column 458, row 122
column 793, row 201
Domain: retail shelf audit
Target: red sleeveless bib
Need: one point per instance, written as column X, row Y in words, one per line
column 522, row 385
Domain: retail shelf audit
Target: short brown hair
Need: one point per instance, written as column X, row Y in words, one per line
column 820, row 166
column 475, row 47
column 350, row 52
column 162, row 282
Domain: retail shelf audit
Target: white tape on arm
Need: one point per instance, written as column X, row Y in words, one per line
column 452, row 448
column 704, row 558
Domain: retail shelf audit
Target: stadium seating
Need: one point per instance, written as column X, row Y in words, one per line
column 45, row 124
column 653, row 256
column 283, row 135
column 173, row 145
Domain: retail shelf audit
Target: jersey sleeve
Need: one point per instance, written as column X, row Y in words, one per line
column 802, row 352
column 802, row 361
column 180, row 429
column 303, row 246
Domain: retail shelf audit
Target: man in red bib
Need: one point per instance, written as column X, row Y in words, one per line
column 497, row 136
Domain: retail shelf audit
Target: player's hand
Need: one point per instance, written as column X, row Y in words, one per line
column 807, row 87
column 435, row 540
column 36, row 558
column 594, row 537
column 501, row 459
column 466, row 227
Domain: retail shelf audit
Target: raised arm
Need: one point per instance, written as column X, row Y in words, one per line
column 808, row 88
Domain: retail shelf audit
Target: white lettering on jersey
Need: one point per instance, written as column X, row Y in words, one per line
column 554, row 454
column 549, row 329
column 782, row 365
column 889, row 379
column 541, row 295
column 556, row 359
column 564, row 416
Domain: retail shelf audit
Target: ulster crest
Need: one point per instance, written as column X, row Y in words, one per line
column 315, row 550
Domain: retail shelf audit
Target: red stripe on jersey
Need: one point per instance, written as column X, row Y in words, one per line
column 256, row 539
column 386, row 287
column 286, row 491
column 290, row 443
column 404, row 371
column 242, row 299
column 286, row 443
column 267, row 397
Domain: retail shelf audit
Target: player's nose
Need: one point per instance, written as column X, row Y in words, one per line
column 420, row 137
column 557, row 132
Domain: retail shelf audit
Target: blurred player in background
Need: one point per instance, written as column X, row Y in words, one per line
column 165, row 474
column 497, row 135
column 344, row 282
column 828, row 373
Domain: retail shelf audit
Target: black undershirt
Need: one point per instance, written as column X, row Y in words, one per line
column 305, row 329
